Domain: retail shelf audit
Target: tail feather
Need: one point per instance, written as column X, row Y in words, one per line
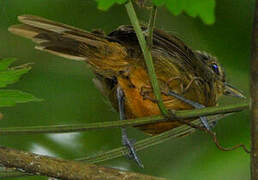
column 64, row 40
column 43, row 23
column 50, row 41
column 24, row 30
column 66, row 30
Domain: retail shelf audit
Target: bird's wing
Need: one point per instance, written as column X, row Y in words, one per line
column 105, row 57
column 62, row 40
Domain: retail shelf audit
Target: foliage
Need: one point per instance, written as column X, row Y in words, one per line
column 202, row 8
column 9, row 76
column 105, row 4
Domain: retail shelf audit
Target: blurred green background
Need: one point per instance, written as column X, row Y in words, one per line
column 70, row 96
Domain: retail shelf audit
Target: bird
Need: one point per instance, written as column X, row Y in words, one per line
column 188, row 78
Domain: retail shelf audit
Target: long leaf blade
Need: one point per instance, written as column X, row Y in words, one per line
column 11, row 97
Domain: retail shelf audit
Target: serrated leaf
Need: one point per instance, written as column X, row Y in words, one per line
column 205, row 9
column 11, row 97
column 175, row 7
column 158, row 2
column 106, row 4
column 5, row 63
column 12, row 75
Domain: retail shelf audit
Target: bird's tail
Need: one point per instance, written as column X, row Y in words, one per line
column 70, row 42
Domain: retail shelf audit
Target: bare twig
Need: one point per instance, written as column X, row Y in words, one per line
column 214, row 137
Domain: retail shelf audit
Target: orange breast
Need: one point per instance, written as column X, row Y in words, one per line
column 138, row 106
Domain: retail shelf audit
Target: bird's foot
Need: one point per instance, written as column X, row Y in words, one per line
column 129, row 144
column 195, row 105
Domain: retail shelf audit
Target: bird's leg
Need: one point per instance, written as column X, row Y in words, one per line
column 145, row 90
column 187, row 88
column 129, row 143
column 192, row 103
column 180, row 97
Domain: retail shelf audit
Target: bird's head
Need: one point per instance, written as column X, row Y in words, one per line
column 221, row 85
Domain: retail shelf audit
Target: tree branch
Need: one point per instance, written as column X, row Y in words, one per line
column 254, row 97
column 63, row 169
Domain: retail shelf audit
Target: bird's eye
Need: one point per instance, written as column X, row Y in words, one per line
column 215, row 68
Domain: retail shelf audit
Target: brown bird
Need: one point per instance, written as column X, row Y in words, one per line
column 188, row 79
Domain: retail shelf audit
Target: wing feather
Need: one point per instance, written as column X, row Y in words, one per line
column 60, row 39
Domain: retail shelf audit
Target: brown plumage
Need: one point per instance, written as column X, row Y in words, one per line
column 116, row 59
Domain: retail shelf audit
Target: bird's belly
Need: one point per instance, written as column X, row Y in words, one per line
column 137, row 105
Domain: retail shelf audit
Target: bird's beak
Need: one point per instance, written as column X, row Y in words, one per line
column 232, row 91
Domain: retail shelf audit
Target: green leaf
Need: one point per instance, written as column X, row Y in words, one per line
column 5, row 63
column 11, row 97
column 158, row 2
column 106, row 4
column 205, row 9
column 11, row 76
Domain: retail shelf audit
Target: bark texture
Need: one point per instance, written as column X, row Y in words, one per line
column 63, row 169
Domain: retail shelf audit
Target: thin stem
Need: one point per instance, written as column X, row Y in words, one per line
column 187, row 114
column 140, row 145
column 214, row 137
column 147, row 56
column 184, row 114
column 79, row 127
column 180, row 131
column 151, row 26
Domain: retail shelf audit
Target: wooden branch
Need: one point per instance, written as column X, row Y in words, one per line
column 254, row 97
column 63, row 169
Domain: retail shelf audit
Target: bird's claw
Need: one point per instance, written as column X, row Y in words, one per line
column 132, row 153
column 195, row 105
column 205, row 123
